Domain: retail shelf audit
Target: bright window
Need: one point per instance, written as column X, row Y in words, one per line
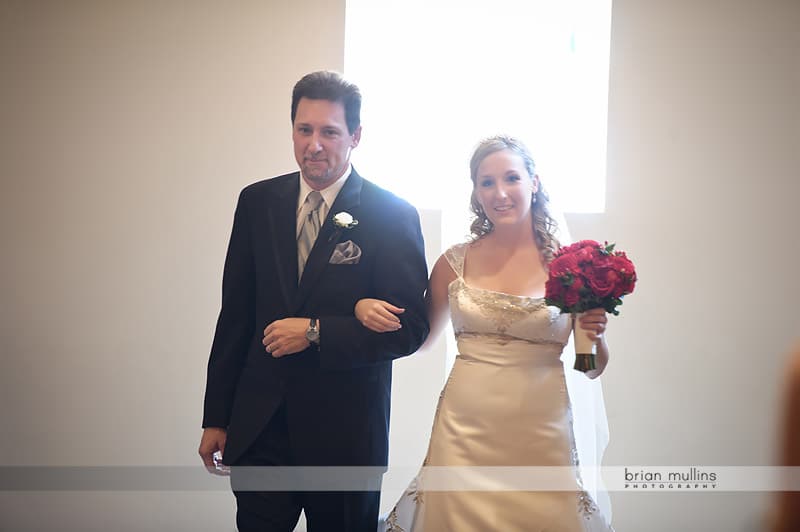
column 439, row 75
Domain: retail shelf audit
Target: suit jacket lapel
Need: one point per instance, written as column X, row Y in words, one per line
column 348, row 198
column 283, row 226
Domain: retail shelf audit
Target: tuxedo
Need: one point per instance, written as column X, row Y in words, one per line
column 332, row 399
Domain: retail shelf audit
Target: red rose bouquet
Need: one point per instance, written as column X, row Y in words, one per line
column 587, row 275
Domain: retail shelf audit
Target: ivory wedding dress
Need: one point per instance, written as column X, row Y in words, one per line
column 505, row 403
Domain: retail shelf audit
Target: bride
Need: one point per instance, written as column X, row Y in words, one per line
column 508, row 401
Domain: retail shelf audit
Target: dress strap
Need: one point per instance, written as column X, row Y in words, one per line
column 455, row 258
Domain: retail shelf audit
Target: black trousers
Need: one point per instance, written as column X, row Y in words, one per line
column 279, row 511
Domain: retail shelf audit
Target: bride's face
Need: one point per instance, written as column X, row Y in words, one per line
column 504, row 188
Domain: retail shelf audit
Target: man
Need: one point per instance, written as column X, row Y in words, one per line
column 293, row 378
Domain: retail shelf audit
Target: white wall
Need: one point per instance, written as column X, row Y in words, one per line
column 128, row 130
column 703, row 139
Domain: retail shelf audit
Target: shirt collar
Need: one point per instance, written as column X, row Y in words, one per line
column 329, row 193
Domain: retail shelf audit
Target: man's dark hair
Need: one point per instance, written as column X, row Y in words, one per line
column 331, row 86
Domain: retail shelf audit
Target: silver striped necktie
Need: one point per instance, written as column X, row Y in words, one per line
column 308, row 231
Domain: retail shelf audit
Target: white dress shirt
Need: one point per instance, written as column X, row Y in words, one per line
column 329, row 194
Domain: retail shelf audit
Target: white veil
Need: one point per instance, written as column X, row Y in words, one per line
column 590, row 425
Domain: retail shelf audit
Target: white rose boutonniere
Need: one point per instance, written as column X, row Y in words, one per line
column 345, row 220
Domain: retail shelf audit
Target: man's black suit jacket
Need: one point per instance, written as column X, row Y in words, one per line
column 337, row 397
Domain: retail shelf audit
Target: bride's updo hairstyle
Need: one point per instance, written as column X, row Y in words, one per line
column 544, row 226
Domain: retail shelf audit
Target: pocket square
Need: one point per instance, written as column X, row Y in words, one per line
column 346, row 253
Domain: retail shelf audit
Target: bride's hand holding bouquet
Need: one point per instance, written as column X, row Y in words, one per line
column 587, row 275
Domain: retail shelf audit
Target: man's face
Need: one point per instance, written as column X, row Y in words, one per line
column 322, row 144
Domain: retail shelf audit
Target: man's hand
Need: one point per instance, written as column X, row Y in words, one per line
column 286, row 336
column 213, row 440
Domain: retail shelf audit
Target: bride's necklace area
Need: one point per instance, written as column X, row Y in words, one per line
column 495, row 273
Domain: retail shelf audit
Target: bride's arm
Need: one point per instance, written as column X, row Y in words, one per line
column 378, row 315
column 381, row 316
column 437, row 300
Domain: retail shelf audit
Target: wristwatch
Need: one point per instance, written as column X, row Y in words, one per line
column 312, row 333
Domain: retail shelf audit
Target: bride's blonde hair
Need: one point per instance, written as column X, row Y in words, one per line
column 544, row 225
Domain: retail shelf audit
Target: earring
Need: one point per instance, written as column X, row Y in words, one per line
column 533, row 198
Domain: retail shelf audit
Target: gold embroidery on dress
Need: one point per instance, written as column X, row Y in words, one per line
column 415, row 494
column 455, row 257
column 503, row 310
column 391, row 522
column 586, row 505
